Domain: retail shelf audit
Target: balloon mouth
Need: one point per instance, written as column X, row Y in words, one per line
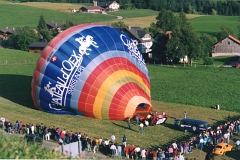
column 143, row 109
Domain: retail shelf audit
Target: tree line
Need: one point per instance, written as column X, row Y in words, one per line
column 24, row 36
column 168, row 46
column 174, row 38
column 182, row 41
column 210, row 7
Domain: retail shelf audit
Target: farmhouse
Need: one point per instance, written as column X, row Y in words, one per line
column 228, row 46
column 142, row 38
column 37, row 47
column 5, row 32
column 109, row 5
column 91, row 9
column 54, row 25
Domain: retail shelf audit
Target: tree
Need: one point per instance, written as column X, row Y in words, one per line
column 120, row 25
column 166, row 20
column 206, row 45
column 224, row 32
column 68, row 24
column 43, row 30
column 22, row 38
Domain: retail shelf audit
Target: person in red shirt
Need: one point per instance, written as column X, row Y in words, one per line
column 127, row 151
column 132, row 152
column 154, row 153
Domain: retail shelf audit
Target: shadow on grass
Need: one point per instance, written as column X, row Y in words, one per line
column 124, row 127
column 226, row 60
column 17, row 88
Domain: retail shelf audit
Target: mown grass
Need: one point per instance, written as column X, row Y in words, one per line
column 211, row 24
column 135, row 17
column 16, row 102
column 200, row 86
column 29, row 16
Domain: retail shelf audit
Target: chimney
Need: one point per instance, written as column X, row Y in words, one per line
column 94, row 3
column 129, row 27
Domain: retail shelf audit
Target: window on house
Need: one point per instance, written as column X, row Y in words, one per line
column 229, row 43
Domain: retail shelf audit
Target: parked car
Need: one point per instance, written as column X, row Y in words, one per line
column 193, row 125
column 222, row 148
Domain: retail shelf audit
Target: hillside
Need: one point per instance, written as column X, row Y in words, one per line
column 136, row 17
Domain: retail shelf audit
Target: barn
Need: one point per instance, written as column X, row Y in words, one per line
column 228, row 46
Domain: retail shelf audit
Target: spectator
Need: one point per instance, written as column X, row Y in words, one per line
column 3, row 121
column 16, row 127
column 113, row 149
column 119, row 151
column 143, row 154
column 175, row 123
column 141, row 129
column 137, row 119
column 128, row 123
column 47, row 135
column 9, row 127
column 137, row 151
column 185, row 115
column 124, row 141
column 113, row 138
column 127, row 151
column 237, row 144
column 154, row 153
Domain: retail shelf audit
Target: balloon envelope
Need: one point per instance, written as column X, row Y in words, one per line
column 94, row 71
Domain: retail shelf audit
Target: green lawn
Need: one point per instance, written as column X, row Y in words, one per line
column 211, row 24
column 180, row 86
column 200, row 86
column 29, row 16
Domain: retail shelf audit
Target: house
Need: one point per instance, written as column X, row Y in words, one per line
column 37, row 47
column 91, row 9
column 143, row 39
column 160, row 39
column 228, row 46
column 109, row 5
column 54, row 25
column 5, row 32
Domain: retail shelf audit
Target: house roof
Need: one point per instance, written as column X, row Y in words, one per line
column 92, row 7
column 54, row 24
column 105, row 4
column 7, row 30
column 230, row 37
column 38, row 44
column 137, row 32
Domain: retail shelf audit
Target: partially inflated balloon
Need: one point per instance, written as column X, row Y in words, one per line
column 92, row 70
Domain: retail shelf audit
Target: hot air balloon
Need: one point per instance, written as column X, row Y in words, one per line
column 92, row 70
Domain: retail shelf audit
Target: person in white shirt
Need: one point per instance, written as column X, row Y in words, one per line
column 143, row 153
column 113, row 138
column 3, row 121
column 237, row 144
column 137, row 151
column 113, row 148
column 174, row 145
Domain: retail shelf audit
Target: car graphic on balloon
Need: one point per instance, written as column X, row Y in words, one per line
column 92, row 70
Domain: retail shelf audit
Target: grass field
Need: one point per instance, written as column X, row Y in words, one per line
column 212, row 24
column 10, row 19
column 173, row 89
column 16, row 69
column 142, row 18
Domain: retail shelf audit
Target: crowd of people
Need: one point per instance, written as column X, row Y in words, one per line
column 109, row 146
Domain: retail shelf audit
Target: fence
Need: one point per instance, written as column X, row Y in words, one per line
column 72, row 149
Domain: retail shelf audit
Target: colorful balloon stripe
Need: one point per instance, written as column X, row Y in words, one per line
column 94, row 71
